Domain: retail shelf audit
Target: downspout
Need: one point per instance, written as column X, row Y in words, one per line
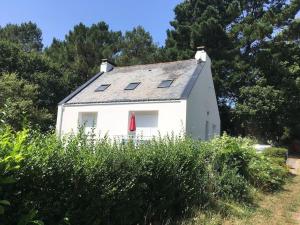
column 60, row 120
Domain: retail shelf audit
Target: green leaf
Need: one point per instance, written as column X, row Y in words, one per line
column 4, row 202
column 28, row 218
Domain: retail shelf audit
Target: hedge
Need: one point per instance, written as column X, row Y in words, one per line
column 79, row 181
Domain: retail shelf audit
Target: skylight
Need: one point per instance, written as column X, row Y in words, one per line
column 132, row 86
column 165, row 84
column 102, row 87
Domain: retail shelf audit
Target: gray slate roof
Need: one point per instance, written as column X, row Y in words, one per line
column 184, row 72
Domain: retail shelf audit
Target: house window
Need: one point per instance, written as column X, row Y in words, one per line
column 146, row 123
column 87, row 121
column 132, row 86
column 102, row 87
column 165, row 84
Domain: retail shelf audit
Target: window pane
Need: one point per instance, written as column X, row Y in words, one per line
column 146, row 123
column 103, row 87
column 87, row 119
column 165, row 83
column 87, row 122
column 132, row 86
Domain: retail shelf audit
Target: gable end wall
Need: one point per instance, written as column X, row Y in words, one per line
column 202, row 106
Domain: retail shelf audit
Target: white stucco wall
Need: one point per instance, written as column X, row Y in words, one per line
column 202, row 106
column 112, row 119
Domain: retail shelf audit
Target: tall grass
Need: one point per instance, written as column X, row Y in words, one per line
column 78, row 181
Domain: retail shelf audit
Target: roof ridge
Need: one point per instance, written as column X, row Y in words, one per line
column 149, row 64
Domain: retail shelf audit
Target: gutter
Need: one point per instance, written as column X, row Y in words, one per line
column 114, row 102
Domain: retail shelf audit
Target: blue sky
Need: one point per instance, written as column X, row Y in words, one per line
column 57, row 17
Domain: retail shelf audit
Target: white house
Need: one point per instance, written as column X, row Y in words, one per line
column 167, row 98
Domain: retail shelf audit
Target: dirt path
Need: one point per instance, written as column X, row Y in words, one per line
column 284, row 207
column 294, row 164
column 281, row 208
column 276, row 209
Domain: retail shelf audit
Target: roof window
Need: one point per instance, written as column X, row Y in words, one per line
column 102, row 87
column 165, row 84
column 132, row 86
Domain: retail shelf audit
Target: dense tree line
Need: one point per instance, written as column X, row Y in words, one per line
column 254, row 46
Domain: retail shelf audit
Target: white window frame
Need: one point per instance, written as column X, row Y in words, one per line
column 87, row 128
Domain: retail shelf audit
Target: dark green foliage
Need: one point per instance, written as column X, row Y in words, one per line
column 266, row 175
column 77, row 181
column 80, row 54
column 261, row 105
column 232, row 185
column 27, row 35
column 276, row 155
column 254, row 46
column 270, row 173
column 275, row 152
column 137, row 47
column 17, row 100
column 32, row 86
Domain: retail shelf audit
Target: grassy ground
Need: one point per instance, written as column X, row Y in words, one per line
column 281, row 208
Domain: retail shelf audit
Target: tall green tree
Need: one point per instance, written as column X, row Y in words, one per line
column 203, row 22
column 81, row 52
column 277, row 64
column 240, row 36
column 137, row 47
column 27, row 35
column 48, row 86
column 18, row 103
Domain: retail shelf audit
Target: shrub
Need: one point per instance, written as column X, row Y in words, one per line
column 233, row 153
column 275, row 152
column 100, row 183
column 265, row 174
column 232, row 186
column 77, row 181
column 10, row 158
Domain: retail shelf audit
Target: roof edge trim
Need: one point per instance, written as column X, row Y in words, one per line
column 125, row 101
column 70, row 96
column 188, row 88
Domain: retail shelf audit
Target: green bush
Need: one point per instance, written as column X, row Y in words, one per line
column 77, row 181
column 232, row 186
column 10, row 158
column 266, row 175
column 275, row 152
column 11, row 146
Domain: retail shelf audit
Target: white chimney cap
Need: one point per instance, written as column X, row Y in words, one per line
column 201, row 54
column 106, row 66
